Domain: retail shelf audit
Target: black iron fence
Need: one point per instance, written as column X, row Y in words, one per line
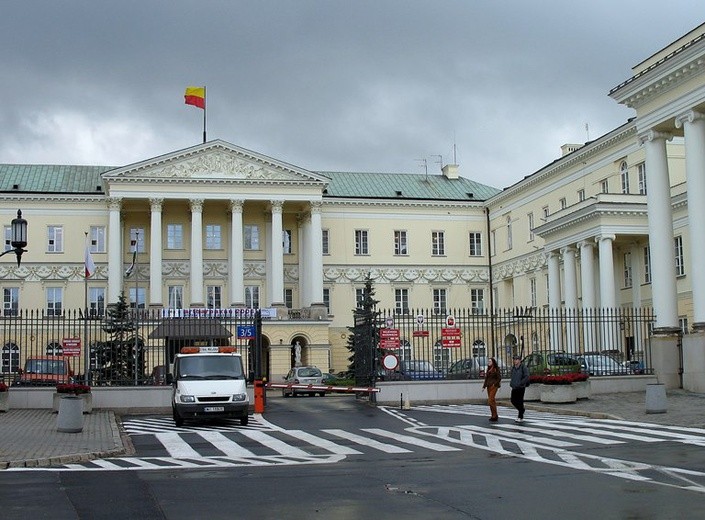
column 457, row 344
column 134, row 349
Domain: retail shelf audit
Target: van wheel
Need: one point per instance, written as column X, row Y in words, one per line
column 322, row 394
column 178, row 420
column 244, row 420
column 284, row 394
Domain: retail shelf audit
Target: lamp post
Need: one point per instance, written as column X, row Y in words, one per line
column 18, row 237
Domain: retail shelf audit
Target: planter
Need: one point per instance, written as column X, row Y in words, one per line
column 533, row 393
column 70, row 418
column 558, row 393
column 4, row 401
column 656, row 398
column 86, row 399
column 582, row 389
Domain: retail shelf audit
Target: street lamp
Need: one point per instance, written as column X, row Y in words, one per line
column 18, row 237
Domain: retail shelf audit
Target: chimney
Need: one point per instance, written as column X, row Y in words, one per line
column 569, row 148
column 450, row 171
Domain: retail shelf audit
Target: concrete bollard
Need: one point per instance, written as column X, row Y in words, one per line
column 656, row 398
column 407, row 404
column 70, row 419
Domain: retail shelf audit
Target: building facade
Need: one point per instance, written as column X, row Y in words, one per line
column 609, row 224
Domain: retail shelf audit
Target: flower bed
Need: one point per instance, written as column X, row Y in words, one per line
column 73, row 388
column 82, row 391
column 3, row 387
column 4, row 398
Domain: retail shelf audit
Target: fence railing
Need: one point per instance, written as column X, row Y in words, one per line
column 458, row 343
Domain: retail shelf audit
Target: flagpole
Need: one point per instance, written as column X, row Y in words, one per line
column 205, row 105
column 86, row 354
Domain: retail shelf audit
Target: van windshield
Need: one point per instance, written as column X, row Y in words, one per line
column 210, row 367
column 45, row 366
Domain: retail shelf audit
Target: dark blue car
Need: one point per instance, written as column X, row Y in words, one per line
column 418, row 369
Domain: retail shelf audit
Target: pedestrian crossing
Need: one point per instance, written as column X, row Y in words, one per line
column 544, row 437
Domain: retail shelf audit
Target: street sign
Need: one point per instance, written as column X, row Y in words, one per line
column 389, row 333
column 450, row 342
column 390, row 362
column 389, row 321
column 71, row 346
column 420, row 320
column 245, row 332
column 389, row 344
column 450, row 321
column 420, row 333
column 451, row 337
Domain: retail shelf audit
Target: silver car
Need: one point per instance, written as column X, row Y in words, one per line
column 308, row 375
column 601, row 365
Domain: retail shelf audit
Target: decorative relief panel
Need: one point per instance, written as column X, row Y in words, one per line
column 462, row 275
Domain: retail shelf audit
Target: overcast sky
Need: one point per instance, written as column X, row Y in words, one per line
column 352, row 85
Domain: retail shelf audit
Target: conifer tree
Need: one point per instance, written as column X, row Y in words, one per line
column 363, row 338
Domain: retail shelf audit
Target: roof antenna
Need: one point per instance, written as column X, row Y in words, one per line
column 425, row 166
column 587, row 131
column 455, row 159
column 440, row 160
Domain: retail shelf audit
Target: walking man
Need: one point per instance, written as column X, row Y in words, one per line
column 519, row 382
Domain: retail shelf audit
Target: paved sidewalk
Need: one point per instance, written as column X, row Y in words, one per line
column 28, row 438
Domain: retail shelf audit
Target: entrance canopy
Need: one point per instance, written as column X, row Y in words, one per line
column 190, row 328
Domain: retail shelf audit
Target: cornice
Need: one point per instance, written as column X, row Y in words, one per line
column 456, row 275
column 403, row 203
column 592, row 212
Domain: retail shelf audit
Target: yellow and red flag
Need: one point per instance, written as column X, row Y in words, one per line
column 196, row 96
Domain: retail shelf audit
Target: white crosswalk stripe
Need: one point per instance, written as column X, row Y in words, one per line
column 366, row 441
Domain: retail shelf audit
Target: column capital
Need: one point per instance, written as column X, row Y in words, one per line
column 236, row 205
column 585, row 243
column 567, row 249
column 276, row 206
column 606, row 236
column 653, row 135
column 316, row 206
column 196, row 205
column 114, row 203
column 155, row 203
column 688, row 117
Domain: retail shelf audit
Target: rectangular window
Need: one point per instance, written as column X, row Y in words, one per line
column 251, row 238
column 532, row 291
column 530, row 220
column 641, row 170
column 326, row 299
column 96, row 301
column 493, row 242
column 55, row 239
column 509, row 233
column 400, row 243
column 97, row 238
column 581, row 195
column 563, row 203
column 401, row 301
column 359, row 298
column 10, row 301
column 604, row 186
column 477, row 301
column 475, row 243
column 439, row 301
column 139, row 295
column 683, row 324
column 176, row 297
column 289, row 298
column 545, row 212
column 627, row 270
column 174, row 236
column 8, row 238
column 138, row 235
column 361, row 242
column 55, row 300
column 680, row 262
column 286, row 241
column 213, row 296
column 624, row 177
column 252, row 296
column 647, row 265
column 325, row 239
column 214, row 236
column 438, row 243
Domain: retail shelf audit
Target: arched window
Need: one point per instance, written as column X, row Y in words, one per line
column 624, row 176
column 10, row 358
column 54, row 348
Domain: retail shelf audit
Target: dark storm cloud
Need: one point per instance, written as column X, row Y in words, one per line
column 324, row 84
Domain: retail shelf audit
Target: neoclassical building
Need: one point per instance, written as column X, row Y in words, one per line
column 614, row 222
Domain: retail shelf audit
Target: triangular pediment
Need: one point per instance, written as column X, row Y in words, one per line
column 214, row 161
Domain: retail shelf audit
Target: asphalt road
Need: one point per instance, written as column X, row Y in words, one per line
column 335, row 457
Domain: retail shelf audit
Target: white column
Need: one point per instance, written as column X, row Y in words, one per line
column 636, row 253
column 694, row 130
column 197, row 299
column 114, row 249
column 570, row 282
column 554, row 298
column 315, row 255
column 304, row 248
column 608, row 293
column 587, row 287
column 155, row 253
column 276, row 281
column 663, row 262
column 237, row 255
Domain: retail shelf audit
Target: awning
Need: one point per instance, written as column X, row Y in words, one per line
column 190, row 328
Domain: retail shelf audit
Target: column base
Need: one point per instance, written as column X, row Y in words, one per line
column 699, row 326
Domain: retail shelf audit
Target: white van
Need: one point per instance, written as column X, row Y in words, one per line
column 208, row 382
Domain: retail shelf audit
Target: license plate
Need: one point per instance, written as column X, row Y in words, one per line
column 214, row 409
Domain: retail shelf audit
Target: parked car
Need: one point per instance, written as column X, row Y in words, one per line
column 45, row 371
column 550, row 362
column 601, row 365
column 307, row 375
column 158, row 376
column 471, row 368
column 634, row 366
column 418, row 369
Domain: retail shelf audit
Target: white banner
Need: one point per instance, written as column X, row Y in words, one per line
column 235, row 312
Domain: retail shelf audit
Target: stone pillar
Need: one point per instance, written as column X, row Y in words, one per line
column 276, row 259
column 237, row 255
column 587, row 286
column 304, row 254
column 554, row 298
column 661, row 245
column 155, row 253
column 694, row 129
column 114, row 249
column 570, row 283
column 197, row 299
column 315, row 256
column 608, row 295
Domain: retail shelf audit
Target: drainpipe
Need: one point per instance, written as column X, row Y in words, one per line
column 489, row 264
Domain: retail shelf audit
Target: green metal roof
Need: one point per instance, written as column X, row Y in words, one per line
column 406, row 186
column 50, row 178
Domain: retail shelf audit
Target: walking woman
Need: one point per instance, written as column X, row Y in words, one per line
column 493, row 380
